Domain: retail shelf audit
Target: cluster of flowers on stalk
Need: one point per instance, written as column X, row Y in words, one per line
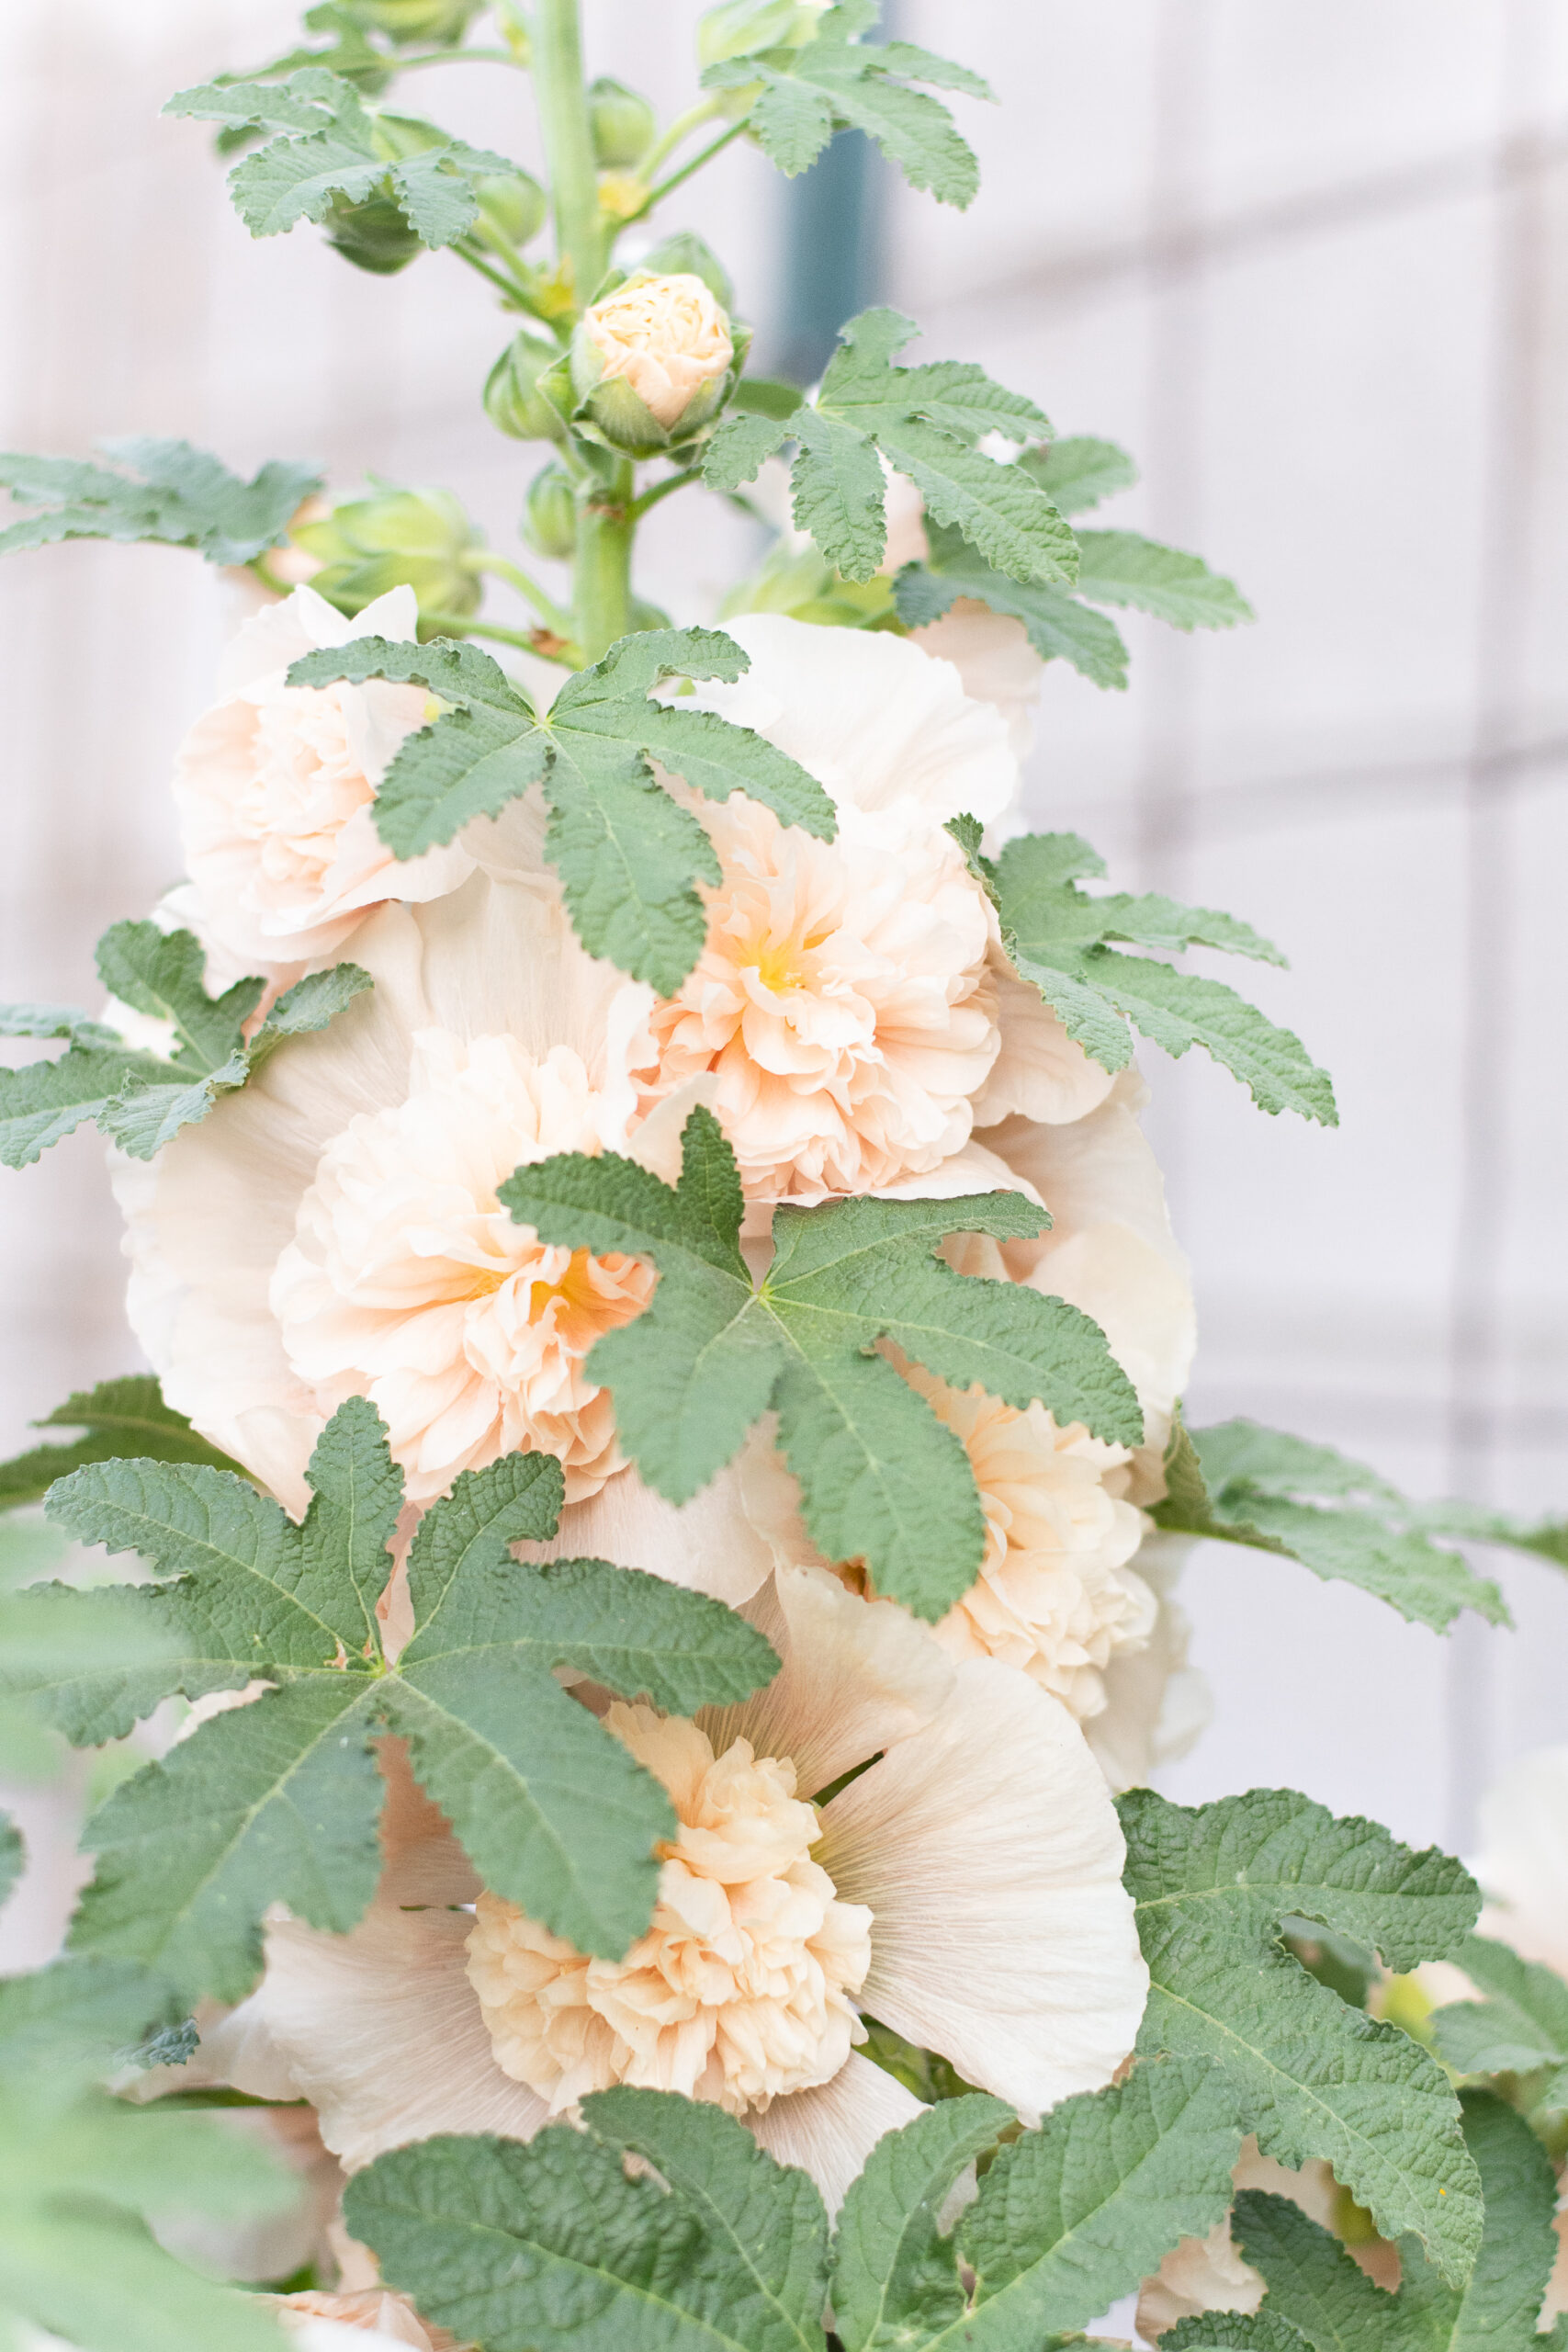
column 911, row 1824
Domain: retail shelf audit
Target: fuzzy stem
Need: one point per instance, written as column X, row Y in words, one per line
column 604, row 588
column 568, row 145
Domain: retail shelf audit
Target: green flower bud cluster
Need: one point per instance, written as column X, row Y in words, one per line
column 417, row 539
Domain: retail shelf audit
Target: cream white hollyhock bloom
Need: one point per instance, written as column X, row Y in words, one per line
column 334, row 1230
column 965, row 1889
column 852, row 1011
column 275, row 784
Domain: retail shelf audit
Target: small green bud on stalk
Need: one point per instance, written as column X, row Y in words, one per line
column 514, row 402
column 622, row 123
column 403, row 22
column 549, row 514
column 513, row 205
column 652, row 364
column 374, row 235
column 417, row 538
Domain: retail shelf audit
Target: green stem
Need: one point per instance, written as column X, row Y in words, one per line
column 650, row 498
column 568, row 145
column 460, row 57
column 463, row 248
column 705, row 155
column 682, row 127
column 464, row 624
column 485, row 560
column 605, row 529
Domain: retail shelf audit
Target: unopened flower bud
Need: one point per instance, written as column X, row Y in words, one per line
column 374, row 235
column 514, row 402
column 402, row 21
column 650, row 364
column 621, row 122
column 420, row 537
column 513, row 204
column 549, row 513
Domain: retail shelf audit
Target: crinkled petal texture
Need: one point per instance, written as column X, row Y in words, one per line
column 844, row 1007
column 965, row 1889
column 333, row 1228
column 275, row 786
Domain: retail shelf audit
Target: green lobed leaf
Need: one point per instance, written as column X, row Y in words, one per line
column 182, row 497
column 1058, row 626
column 528, row 2248
column 65, row 2023
column 139, row 1099
column 278, row 1800
column 1313, row 2077
column 895, row 2274
column 46, row 1101
column 1059, row 937
column 120, row 1417
column 926, row 421
column 1078, row 472
column 630, row 859
column 711, row 1353
column 1235, row 2332
column 1312, row 2281
column 836, row 80
column 1519, row 2024
column 1124, row 568
column 1314, row 2285
column 1240, row 1483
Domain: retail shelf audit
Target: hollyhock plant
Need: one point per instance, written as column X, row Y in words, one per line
column 653, row 1511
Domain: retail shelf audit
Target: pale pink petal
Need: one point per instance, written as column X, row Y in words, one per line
column 831, row 2131
column 853, row 1678
column 988, row 1850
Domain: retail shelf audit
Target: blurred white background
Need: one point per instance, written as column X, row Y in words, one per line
column 1311, row 263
